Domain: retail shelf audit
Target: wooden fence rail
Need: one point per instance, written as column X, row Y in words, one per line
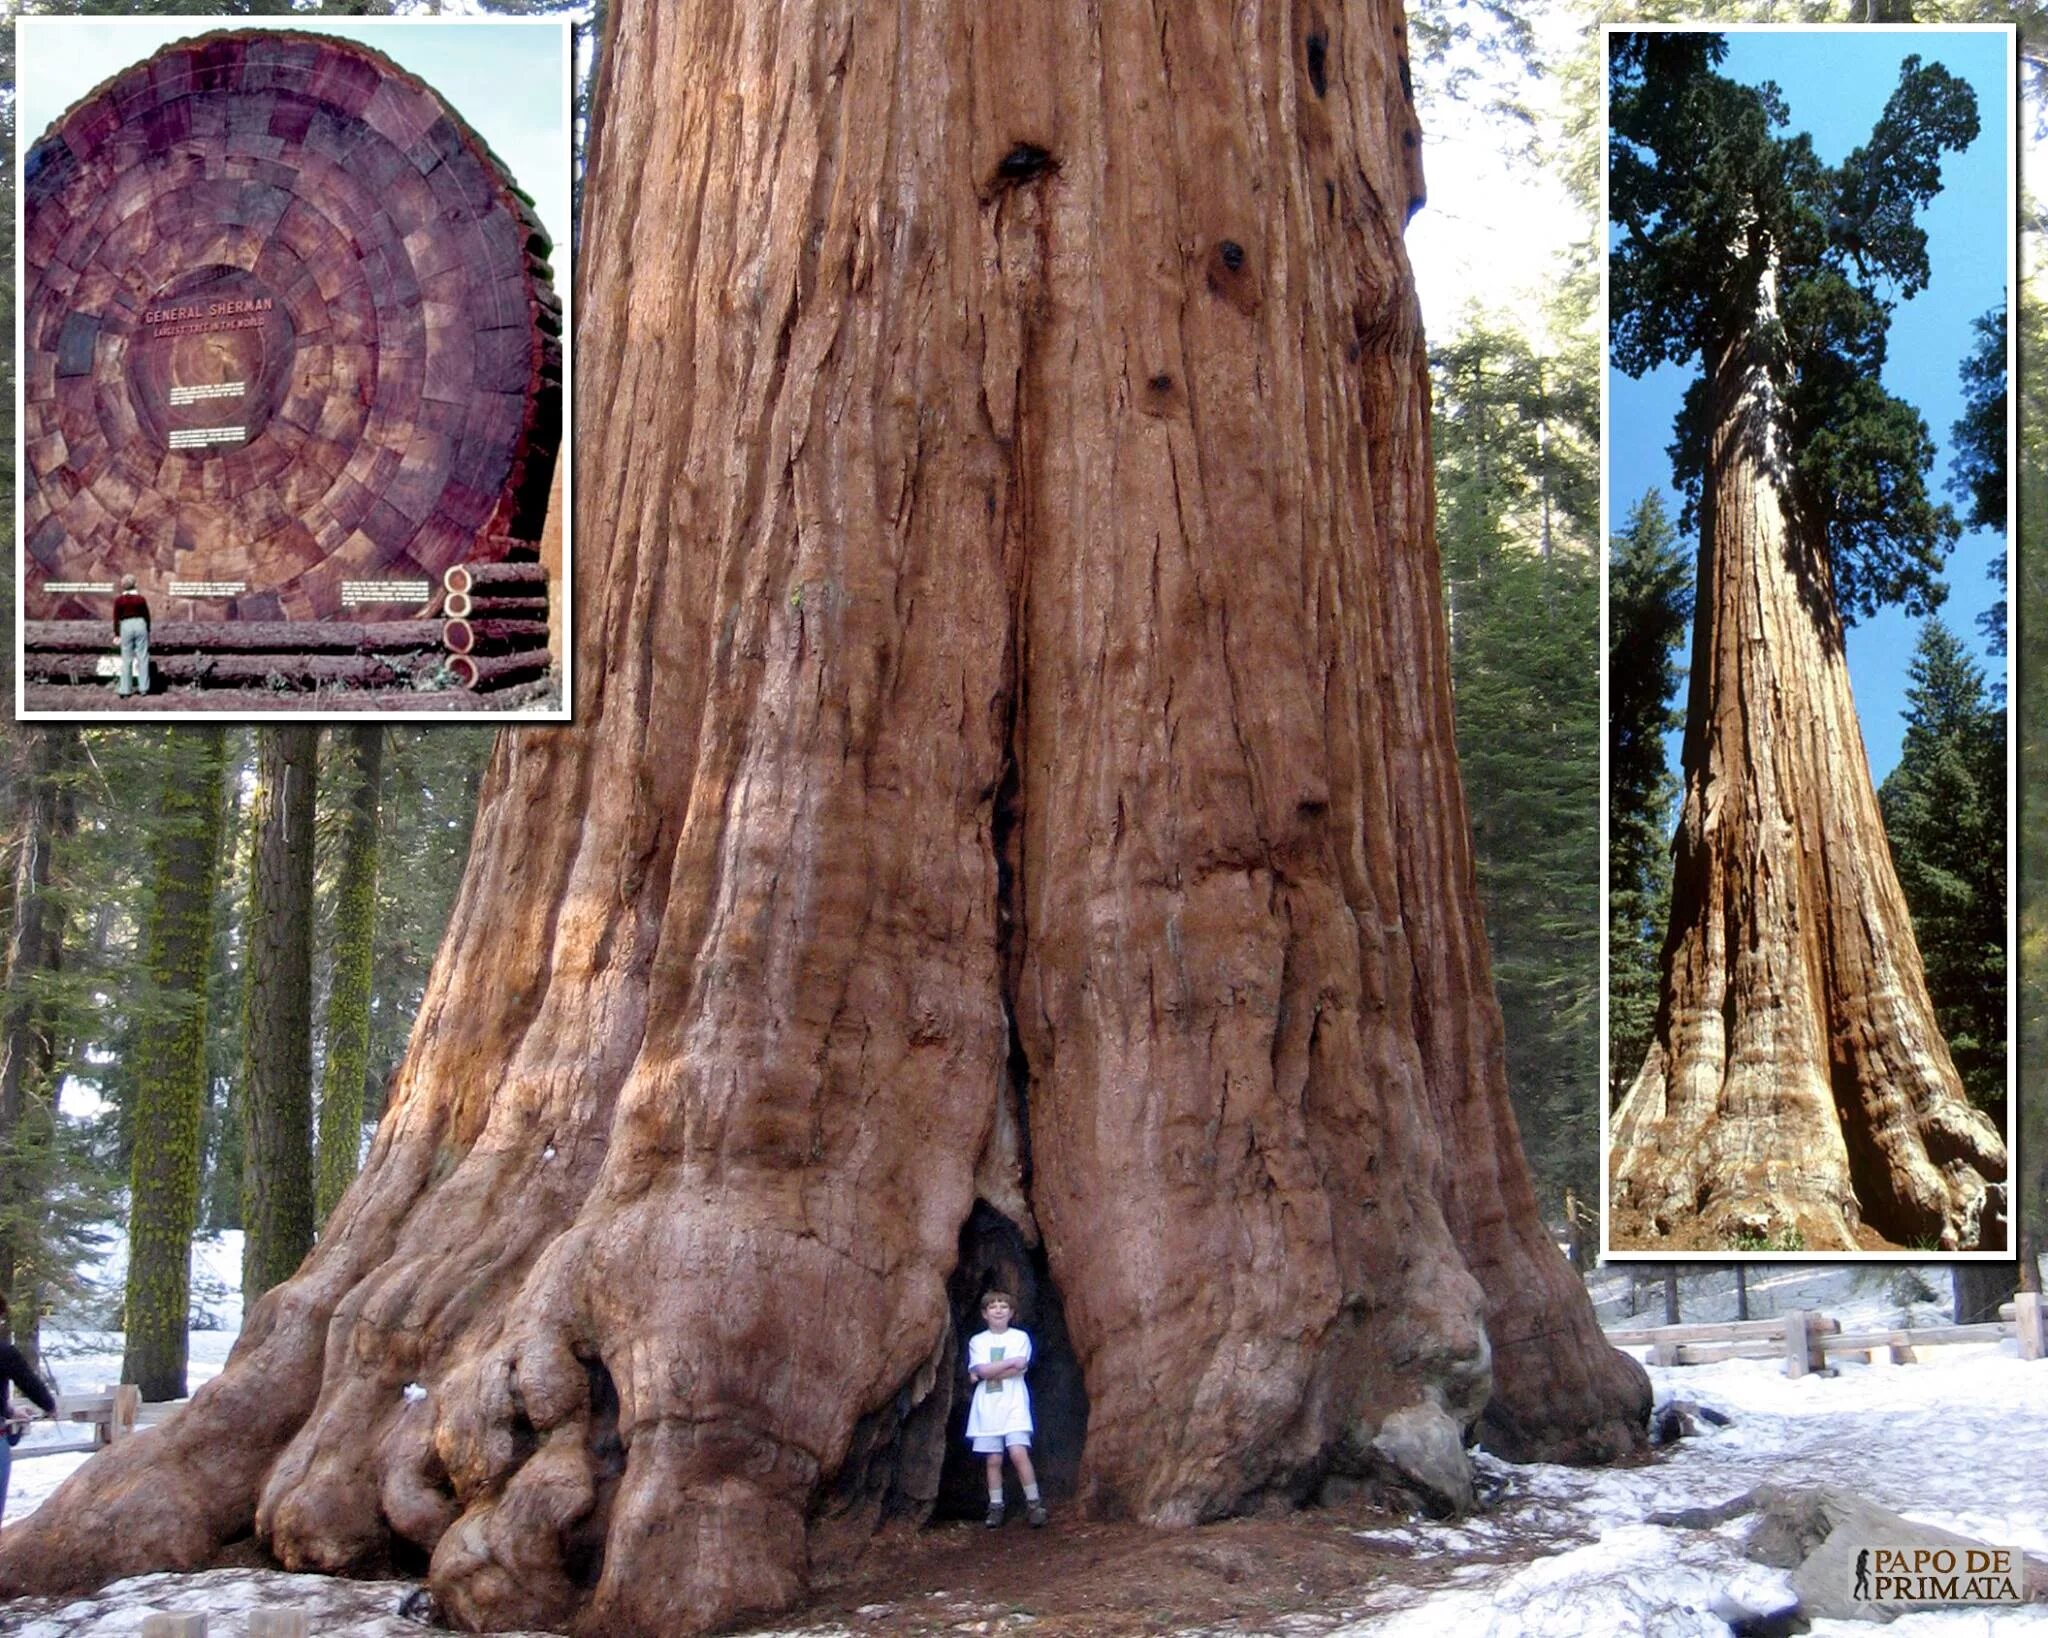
column 1805, row 1339
column 111, row 1413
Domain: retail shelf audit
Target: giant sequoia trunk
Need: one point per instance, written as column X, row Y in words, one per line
column 1010, row 831
column 1797, row 1088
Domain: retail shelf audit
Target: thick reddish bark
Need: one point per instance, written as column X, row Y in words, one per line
column 1011, row 828
column 1797, row 1088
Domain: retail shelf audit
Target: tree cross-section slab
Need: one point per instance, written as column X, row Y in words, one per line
column 288, row 328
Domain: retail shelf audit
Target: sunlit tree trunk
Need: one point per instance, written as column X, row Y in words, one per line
column 1797, row 1090
column 1011, row 833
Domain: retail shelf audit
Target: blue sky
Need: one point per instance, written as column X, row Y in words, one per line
column 504, row 77
column 1835, row 85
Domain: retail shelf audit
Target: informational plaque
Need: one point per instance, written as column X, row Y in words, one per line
column 289, row 333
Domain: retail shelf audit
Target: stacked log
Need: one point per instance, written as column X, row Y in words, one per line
column 285, row 654
column 343, row 368
column 493, row 634
column 496, row 625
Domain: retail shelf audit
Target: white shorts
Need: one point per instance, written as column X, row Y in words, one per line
column 991, row 1444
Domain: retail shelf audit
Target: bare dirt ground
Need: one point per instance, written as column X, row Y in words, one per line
column 1302, row 1572
column 1629, row 1229
column 1296, row 1573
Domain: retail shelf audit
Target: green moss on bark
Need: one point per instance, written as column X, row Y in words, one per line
column 348, row 999
column 170, row 1069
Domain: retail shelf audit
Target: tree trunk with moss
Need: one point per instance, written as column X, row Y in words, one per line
column 277, row 1053
column 170, row 1069
column 1012, row 835
column 348, row 992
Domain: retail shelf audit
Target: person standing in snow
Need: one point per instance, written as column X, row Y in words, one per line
column 999, row 1419
column 15, row 1372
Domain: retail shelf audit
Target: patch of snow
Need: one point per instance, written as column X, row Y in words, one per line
column 363, row 1609
column 216, row 1285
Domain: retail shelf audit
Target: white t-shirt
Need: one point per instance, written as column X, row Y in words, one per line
column 1004, row 1405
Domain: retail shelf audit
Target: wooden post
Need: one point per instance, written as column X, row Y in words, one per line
column 277, row 1623
column 1798, row 1350
column 1663, row 1353
column 127, row 1407
column 180, row 1625
column 2031, row 1324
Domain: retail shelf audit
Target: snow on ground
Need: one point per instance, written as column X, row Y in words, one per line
column 1958, row 1440
column 84, row 1360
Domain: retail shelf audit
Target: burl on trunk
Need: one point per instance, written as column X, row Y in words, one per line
column 1014, row 766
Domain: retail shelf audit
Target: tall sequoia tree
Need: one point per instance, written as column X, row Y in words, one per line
column 1797, row 1082
column 1013, row 833
column 348, row 992
column 169, row 1104
column 277, row 1002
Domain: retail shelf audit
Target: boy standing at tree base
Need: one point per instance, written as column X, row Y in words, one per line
column 999, row 1418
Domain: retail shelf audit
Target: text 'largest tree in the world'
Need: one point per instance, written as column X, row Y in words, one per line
column 1797, row 1087
column 1011, row 828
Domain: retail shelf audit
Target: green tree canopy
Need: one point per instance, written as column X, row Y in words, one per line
column 1650, row 597
column 1709, row 196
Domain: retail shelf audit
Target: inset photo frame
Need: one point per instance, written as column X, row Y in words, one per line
column 294, row 340
column 1808, row 798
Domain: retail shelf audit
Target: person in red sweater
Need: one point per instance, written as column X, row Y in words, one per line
column 131, row 626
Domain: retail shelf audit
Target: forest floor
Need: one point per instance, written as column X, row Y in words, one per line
column 1554, row 1552
column 1630, row 1229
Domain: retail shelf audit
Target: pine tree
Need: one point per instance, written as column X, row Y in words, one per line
column 348, row 995
column 1517, row 509
column 1649, row 603
column 1944, row 810
column 170, row 1068
column 1978, row 478
column 2031, row 1208
column 277, row 1070
column 45, row 814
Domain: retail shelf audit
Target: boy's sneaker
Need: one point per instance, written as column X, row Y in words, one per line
column 1037, row 1515
column 995, row 1516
